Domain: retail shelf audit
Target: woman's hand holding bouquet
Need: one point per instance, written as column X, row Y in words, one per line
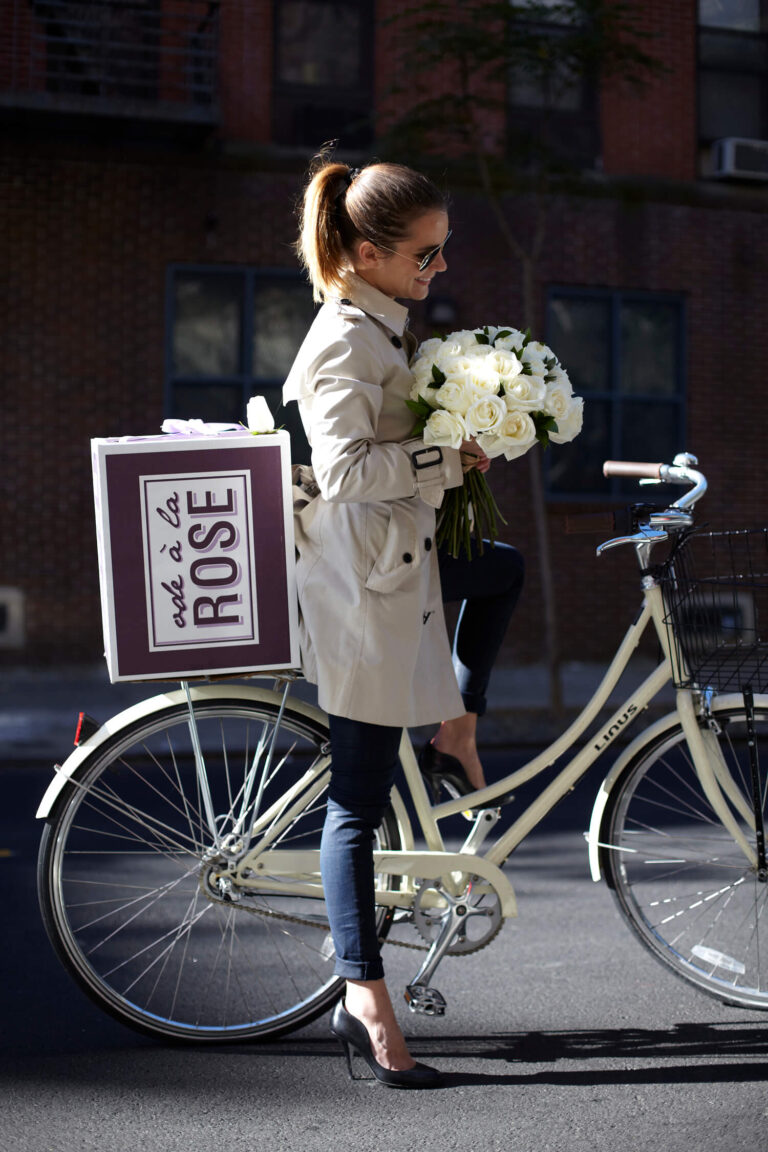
column 488, row 392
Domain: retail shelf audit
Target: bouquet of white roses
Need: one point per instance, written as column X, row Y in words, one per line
column 503, row 390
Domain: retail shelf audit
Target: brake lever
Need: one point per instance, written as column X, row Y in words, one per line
column 647, row 536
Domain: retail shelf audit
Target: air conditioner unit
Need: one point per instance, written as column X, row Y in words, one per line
column 737, row 159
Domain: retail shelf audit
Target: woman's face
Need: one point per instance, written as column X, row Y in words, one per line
column 395, row 271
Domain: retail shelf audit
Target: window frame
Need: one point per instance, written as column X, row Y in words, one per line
column 723, row 34
column 617, row 488
column 249, row 382
column 575, row 139
column 286, row 94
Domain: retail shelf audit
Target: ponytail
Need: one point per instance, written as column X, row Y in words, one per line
column 344, row 205
column 325, row 235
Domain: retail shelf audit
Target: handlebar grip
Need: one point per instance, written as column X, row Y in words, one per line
column 632, row 468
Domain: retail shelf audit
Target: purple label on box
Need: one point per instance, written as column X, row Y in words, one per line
column 198, row 559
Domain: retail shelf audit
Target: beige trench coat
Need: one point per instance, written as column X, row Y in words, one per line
column 373, row 634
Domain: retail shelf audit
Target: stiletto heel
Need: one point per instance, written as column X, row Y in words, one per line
column 352, row 1033
column 438, row 769
column 345, row 1045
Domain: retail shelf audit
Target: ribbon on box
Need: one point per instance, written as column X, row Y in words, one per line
column 196, row 428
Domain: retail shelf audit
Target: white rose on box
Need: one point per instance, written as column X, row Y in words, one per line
column 485, row 414
column 445, row 429
column 569, row 424
column 258, row 416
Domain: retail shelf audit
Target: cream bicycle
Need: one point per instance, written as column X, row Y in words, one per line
column 178, row 873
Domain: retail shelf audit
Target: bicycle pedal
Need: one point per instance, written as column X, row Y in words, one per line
column 427, row 1001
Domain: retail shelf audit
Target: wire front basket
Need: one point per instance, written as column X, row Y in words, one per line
column 715, row 588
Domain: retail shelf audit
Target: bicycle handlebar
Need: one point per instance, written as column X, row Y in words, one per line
column 682, row 470
column 632, row 468
column 676, row 516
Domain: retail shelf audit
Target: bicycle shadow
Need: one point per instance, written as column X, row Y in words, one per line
column 661, row 1050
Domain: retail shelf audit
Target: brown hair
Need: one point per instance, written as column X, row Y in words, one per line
column 344, row 205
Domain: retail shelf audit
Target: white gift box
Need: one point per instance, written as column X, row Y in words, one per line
column 196, row 553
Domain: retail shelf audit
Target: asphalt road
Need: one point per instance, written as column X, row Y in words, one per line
column 563, row 1035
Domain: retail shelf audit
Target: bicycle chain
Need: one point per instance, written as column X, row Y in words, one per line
column 272, row 914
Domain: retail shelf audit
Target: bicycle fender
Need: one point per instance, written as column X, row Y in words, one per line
column 64, row 772
column 664, row 724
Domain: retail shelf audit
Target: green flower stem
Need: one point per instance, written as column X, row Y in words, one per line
column 467, row 511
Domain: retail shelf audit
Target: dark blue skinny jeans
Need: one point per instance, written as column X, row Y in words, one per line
column 364, row 756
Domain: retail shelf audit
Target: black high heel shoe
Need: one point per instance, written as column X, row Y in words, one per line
column 352, row 1034
column 438, row 768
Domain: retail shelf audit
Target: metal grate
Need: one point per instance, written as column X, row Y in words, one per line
column 99, row 54
column 716, row 594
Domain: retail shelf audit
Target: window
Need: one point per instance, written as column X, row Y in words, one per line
column 233, row 333
column 733, row 69
column 552, row 103
column 323, row 72
column 624, row 353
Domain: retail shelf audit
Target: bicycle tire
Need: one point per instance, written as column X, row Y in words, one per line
column 681, row 881
column 119, row 879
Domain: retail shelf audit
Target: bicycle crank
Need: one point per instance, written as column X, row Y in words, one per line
column 447, row 917
column 478, row 916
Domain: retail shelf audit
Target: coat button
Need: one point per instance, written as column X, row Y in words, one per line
column 407, row 558
column 345, row 301
column 428, row 544
column 397, row 342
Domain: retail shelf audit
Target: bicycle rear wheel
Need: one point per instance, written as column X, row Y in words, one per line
column 124, row 875
column 685, row 886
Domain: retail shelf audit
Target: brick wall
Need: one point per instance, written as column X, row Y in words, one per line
column 652, row 132
column 88, row 241
column 88, row 229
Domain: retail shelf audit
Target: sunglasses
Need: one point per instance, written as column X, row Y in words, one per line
column 425, row 261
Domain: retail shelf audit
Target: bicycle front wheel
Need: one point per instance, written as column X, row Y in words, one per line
column 680, row 879
column 132, row 896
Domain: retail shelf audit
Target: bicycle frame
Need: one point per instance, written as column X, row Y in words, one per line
column 261, row 867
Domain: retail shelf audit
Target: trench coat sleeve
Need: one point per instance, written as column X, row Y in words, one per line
column 349, row 463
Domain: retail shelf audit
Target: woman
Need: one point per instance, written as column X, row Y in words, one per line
column 372, row 627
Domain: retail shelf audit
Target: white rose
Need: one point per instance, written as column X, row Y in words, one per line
column 445, row 429
column 479, row 351
column 511, row 343
column 258, row 416
column 559, row 376
column 558, row 399
column 422, row 389
column 534, row 362
column 485, row 414
column 488, row 330
column 515, row 435
column 525, row 393
column 504, row 363
column 569, row 424
column 462, row 340
column 456, row 394
column 428, row 350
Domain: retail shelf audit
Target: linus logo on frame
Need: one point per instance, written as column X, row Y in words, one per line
column 614, row 729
